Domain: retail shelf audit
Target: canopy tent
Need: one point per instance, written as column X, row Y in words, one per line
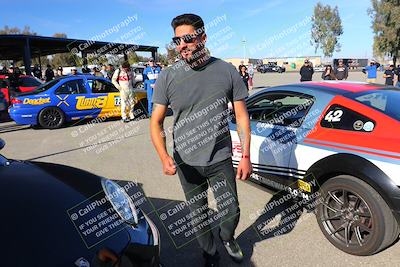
column 17, row 47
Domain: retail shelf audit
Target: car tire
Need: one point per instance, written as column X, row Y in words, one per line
column 365, row 216
column 51, row 118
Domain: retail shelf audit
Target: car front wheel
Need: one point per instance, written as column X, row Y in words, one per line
column 51, row 118
column 354, row 217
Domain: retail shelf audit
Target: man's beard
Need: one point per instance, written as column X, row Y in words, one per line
column 198, row 55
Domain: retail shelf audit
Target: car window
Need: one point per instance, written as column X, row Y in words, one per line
column 280, row 108
column 72, row 87
column 102, row 86
column 138, row 71
column 29, row 82
column 343, row 118
column 386, row 101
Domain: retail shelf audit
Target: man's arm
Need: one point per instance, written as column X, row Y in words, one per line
column 243, row 127
column 158, row 138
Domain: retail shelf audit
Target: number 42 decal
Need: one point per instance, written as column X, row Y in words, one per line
column 334, row 116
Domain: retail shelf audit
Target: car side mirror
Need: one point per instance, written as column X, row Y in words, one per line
column 2, row 144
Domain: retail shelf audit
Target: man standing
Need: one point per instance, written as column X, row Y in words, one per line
column 306, row 71
column 389, row 75
column 341, row 71
column 198, row 89
column 123, row 79
column 104, row 71
column 110, row 71
column 85, row 69
column 37, row 71
column 150, row 75
column 74, row 71
column 49, row 73
column 397, row 72
column 372, row 71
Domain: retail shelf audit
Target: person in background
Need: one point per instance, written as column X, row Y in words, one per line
column 371, row 71
column 306, row 71
column 96, row 72
column 59, row 72
column 104, row 71
column 150, row 75
column 124, row 79
column 49, row 73
column 389, row 75
column 328, row 73
column 14, row 81
column 251, row 75
column 341, row 71
column 74, row 71
column 85, row 69
column 397, row 72
column 37, row 71
column 245, row 76
column 110, row 71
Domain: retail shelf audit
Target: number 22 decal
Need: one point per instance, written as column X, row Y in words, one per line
column 334, row 116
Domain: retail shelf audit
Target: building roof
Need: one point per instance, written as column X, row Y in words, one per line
column 11, row 46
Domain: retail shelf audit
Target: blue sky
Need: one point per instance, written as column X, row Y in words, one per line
column 270, row 28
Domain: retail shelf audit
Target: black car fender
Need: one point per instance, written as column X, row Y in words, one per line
column 343, row 163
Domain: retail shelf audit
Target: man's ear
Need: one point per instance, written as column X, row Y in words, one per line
column 204, row 38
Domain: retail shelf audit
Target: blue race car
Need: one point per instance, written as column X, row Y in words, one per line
column 71, row 98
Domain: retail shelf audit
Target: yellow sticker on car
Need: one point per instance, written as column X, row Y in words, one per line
column 37, row 102
column 306, row 187
column 84, row 103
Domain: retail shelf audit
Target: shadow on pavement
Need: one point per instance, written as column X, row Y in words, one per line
column 278, row 217
column 89, row 147
column 12, row 128
column 176, row 251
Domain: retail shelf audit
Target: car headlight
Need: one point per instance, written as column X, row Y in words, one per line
column 120, row 201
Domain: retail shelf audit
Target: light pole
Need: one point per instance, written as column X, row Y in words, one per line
column 244, row 50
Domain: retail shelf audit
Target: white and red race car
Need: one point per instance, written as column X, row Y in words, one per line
column 339, row 139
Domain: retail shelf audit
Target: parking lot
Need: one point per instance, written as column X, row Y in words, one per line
column 124, row 152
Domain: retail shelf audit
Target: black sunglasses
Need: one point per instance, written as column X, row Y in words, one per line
column 188, row 38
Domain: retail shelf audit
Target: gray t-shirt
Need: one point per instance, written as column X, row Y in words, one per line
column 199, row 99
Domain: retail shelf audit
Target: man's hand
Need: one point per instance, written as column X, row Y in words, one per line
column 169, row 167
column 244, row 169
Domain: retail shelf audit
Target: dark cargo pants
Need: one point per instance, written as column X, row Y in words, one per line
column 195, row 181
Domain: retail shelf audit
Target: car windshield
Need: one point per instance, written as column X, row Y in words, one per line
column 385, row 100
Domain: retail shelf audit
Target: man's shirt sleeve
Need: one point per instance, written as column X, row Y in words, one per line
column 239, row 89
column 160, row 95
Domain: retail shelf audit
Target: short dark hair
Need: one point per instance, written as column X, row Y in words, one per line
column 189, row 19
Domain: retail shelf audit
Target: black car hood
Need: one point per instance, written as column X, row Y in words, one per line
column 36, row 229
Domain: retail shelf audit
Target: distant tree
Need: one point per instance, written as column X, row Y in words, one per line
column 60, row 35
column 172, row 54
column 163, row 59
column 133, row 58
column 385, row 16
column 16, row 30
column 326, row 29
column 64, row 59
